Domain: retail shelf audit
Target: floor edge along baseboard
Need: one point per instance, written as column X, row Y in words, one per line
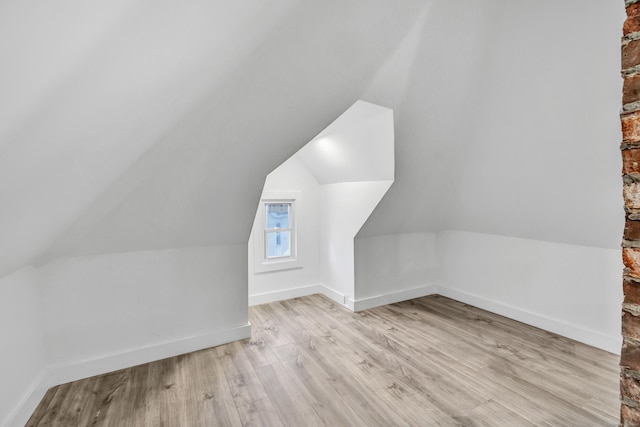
column 556, row 326
column 127, row 359
column 55, row 375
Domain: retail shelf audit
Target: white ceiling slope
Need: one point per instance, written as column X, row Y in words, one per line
column 198, row 183
column 514, row 130
column 87, row 90
column 133, row 125
column 357, row 146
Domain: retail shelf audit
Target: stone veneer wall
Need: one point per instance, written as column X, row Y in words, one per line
column 630, row 119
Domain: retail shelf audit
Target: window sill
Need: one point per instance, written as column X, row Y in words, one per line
column 269, row 266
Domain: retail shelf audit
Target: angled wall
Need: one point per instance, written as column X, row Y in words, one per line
column 338, row 178
column 395, row 267
column 566, row 289
column 23, row 359
column 345, row 207
column 108, row 312
column 150, row 120
column 510, row 135
column 525, row 153
column 305, row 278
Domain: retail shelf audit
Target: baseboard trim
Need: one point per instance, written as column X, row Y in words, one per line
column 586, row 336
column 61, row 374
column 29, row 402
column 284, row 294
column 336, row 296
column 393, row 297
column 303, row 291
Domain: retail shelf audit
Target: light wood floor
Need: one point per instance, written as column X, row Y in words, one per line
column 425, row 362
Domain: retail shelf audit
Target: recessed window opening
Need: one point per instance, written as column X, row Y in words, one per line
column 313, row 205
column 275, row 232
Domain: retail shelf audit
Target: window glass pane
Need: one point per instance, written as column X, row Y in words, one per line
column 278, row 215
column 278, row 244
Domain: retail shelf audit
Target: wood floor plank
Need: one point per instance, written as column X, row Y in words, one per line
column 525, row 354
column 543, row 343
column 259, row 413
column 487, row 414
column 369, row 408
column 171, row 391
column 68, row 413
column 258, row 352
column 269, row 329
column 293, row 408
column 318, row 391
column 414, row 408
column 56, row 399
column 243, row 381
column 213, row 392
column 429, row 361
column 86, row 400
column 41, row 411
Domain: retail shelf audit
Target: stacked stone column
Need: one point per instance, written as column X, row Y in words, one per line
column 630, row 119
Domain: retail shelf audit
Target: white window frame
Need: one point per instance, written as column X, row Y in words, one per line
column 262, row 263
column 291, row 229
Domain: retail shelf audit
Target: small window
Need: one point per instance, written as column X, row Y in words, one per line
column 275, row 232
column 278, row 230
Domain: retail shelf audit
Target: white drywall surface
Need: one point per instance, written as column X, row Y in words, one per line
column 572, row 290
column 288, row 177
column 23, row 360
column 99, row 306
column 394, row 263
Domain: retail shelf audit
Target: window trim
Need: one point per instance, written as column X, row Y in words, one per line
column 291, row 229
column 262, row 264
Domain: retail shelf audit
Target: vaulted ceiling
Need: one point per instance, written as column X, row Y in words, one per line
column 131, row 125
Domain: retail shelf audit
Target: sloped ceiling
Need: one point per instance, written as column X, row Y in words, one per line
column 515, row 132
column 357, row 146
column 136, row 125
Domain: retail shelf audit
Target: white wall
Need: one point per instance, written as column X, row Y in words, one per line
column 396, row 267
column 345, row 207
column 542, row 159
column 535, row 153
column 118, row 78
column 282, row 284
column 233, row 90
column 108, row 312
column 575, row 291
column 430, row 80
column 340, row 175
column 22, row 358
column 357, row 146
column 572, row 290
column 140, row 155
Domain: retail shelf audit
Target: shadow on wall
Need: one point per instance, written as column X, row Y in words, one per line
column 321, row 196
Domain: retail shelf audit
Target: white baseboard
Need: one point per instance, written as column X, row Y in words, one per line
column 29, row 402
column 338, row 297
column 586, row 336
column 284, row 294
column 61, row 374
column 393, row 297
column 303, row 291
